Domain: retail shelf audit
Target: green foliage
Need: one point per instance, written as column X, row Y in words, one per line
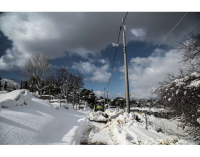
column 99, row 107
column 119, row 101
column 88, row 96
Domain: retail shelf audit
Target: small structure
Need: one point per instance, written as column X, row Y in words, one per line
column 24, row 85
column 99, row 106
column 8, row 85
column 47, row 97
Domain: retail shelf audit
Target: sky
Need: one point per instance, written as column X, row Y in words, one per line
column 82, row 41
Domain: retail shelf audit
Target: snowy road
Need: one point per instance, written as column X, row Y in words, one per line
column 39, row 122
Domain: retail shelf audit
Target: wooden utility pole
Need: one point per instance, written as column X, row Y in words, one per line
column 126, row 68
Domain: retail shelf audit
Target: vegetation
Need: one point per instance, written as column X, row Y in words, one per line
column 42, row 77
column 88, row 96
column 181, row 93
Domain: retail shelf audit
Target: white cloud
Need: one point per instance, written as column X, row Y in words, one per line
column 58, row 34
column 84, row 67
column 99, row 74
column 121, row 95
column 139, row 32
column 99, row 93
column 103, row 61
column 12, row 59
column 142, row 93
column 110, row 96
column 141, row 61
column 145, row 73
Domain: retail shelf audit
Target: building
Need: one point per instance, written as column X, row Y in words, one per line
column 8, row 85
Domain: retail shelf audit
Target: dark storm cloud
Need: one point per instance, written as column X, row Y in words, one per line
column 89, row 33
column 158, row 25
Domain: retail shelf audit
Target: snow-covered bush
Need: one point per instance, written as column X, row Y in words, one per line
column 118, row 101
column 182, row 96
column 89, row 97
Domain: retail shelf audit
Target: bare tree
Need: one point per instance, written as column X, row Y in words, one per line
column 37, row 71
column 69, row 84
column 180, row 94
column 181, row 97
column 192, row 52
column 62, row 79
column 75, row 83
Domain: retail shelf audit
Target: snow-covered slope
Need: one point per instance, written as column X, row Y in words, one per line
column 38, row 122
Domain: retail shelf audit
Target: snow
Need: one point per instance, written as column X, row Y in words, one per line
column 97, row 116
column 125, row 130
column 195, row 83
column 102, row 137
column 3, row 92
column 149, row 109
column 39, row 122
column 182, row 81
column 100, row 101
column 195, row 74
column 198, row 120
column 113, row 112
column 14, row 98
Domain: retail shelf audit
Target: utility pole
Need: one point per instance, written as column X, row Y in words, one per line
column 126, row 68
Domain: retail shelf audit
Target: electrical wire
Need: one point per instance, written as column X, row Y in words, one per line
column 116, row 50
column 169, row 32
column 153, row 50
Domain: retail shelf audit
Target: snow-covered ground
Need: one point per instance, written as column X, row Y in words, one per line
column 14, row 98
column 25, row 119
column 98, row 116
column 126, row 130
column 38, row 122
column 153, row 109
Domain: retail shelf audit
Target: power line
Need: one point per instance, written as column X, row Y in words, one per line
column 169, row 32
column 116, row 50
column 153, row 50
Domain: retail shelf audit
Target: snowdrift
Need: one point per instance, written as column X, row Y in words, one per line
column 38, row 122
column 98, row 116
column 126, row 129
column 14, row 98
column 132, row 131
